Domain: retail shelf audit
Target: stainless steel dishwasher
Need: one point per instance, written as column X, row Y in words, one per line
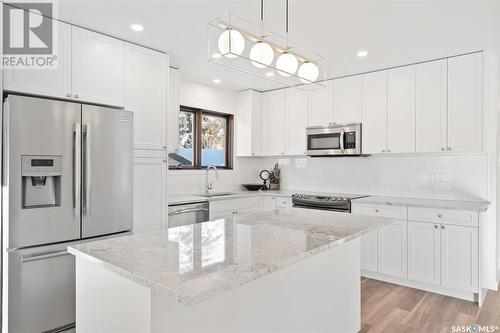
column 185, row 214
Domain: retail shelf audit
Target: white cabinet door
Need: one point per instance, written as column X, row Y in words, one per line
column 423, row 252
column 392, row 249
column 347, row 99
column 369, row 251
column 465, row 103
column 459, row 257
column 150, row 194
column 374, row 112
column 46, row 82
column 401, row 110
column 173, row 110
column 275, row 109
column 321, row 105
column 431, row 105
column 98, row 63
column 268, row 203
column 248, row 123
column 145, row 95
column 296, row 121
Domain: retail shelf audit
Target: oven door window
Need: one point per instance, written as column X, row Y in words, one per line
column 323, row 141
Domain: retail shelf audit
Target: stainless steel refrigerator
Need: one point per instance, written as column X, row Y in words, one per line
column 67, row 176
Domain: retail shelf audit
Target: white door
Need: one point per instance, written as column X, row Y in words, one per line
column 173, row 110
column 374, row 112
column 393, row 248
column 369, row 251
column 321, row 105
column 150, row 193
column 145, row 95
column 347, row 99
column 296, row 121
column 276, row 125
column 465, row 119
column 423, row 252
column 243, row 123
column 98, row 63
column 256, row 124
column 459, row 257
column 431, row 105
column 265, row 124
column 54, row 82
column 401, row 110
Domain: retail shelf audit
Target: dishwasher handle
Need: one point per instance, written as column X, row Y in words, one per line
column 187, row 210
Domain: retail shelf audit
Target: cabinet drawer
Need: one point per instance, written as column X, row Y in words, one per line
column 398, row 212
column 283, row 202
column 234, row 204
column 444, row 216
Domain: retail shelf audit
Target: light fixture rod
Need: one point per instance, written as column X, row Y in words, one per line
column 286, row 15
column 262, row 10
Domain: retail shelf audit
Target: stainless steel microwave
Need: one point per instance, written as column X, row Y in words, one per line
column 334, row 140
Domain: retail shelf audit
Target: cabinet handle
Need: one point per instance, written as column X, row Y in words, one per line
column 234, row 213
column 442, row 149
column 388, row 150
column 449, row 148
column 76, row 96
column 435, row 226
column 376, row 210
column 68, row 95
column 442, row 227
column 383, row 150
column 440, row 215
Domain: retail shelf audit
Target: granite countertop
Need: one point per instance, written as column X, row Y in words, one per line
column 478, row 206
column 196, row 262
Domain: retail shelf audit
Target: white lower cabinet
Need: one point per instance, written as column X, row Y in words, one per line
column 268, row 203
column 221, row 209
column 392, row 249
column 150, row 193
column 369, row 253
column 423, row 252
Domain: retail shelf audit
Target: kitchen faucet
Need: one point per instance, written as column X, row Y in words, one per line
column 209, row 186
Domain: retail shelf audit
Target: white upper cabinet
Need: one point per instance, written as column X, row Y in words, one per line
column 465, row 103
column 145, row 95
column 98, row 63
column 248, row 123
column 321, row 105
column 401, row 110
column 374, row 112
column 274, row 107
column 296, row 121
column 46, row 82
column 173, row 110
column 347, row 99
column 431, row 105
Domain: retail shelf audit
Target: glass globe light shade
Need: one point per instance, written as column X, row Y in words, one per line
column 235, row 47
column 262, row 55
column 308, row 72
column 287, row 64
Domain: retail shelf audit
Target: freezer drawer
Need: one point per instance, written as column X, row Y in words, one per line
column 41, row 289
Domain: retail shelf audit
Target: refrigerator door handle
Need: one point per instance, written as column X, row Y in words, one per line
column 43, row 256
column 77, row 168
column 88, row 169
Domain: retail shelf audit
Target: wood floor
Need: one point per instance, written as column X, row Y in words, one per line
column 390, row 308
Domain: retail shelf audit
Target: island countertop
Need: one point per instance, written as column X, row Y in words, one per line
column 196, row 262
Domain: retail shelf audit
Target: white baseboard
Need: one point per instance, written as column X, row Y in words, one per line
column 491, row 285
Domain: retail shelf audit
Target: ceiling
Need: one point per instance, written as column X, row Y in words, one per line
column 393, row 32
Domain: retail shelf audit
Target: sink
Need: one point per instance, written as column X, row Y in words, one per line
column 216, row 194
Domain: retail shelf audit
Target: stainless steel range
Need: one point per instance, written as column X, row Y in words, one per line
column 335, row 202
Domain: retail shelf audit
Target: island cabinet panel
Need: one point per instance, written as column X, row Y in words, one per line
column 465, row 97
column 296, row 121
column 393, row 248
column 145, row 95
column 401, row 110
column 424, row 259
column 459, row 257
column 431, row 104
column 53, row 82
column 347, row 99
column 150, row 193
column 248, row 123
column 98, row 63
column 374, row 112
column 274, row 107
column 321, row 105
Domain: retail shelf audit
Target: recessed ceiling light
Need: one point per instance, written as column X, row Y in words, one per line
column 136, row 27
column 362, row 54
column 216, row 55
column 269, row 74
column 216, row 80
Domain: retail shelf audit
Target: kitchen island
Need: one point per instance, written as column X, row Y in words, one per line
column 289, row 270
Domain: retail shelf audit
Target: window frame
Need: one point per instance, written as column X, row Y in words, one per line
column 197, row 131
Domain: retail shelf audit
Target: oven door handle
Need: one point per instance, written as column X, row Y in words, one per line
column 342, row 141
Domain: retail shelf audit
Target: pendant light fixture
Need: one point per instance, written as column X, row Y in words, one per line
column 242, row 45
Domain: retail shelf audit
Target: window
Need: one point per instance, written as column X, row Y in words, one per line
column 205, row 138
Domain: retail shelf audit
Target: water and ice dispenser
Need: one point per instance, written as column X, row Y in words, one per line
column 41, row 181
